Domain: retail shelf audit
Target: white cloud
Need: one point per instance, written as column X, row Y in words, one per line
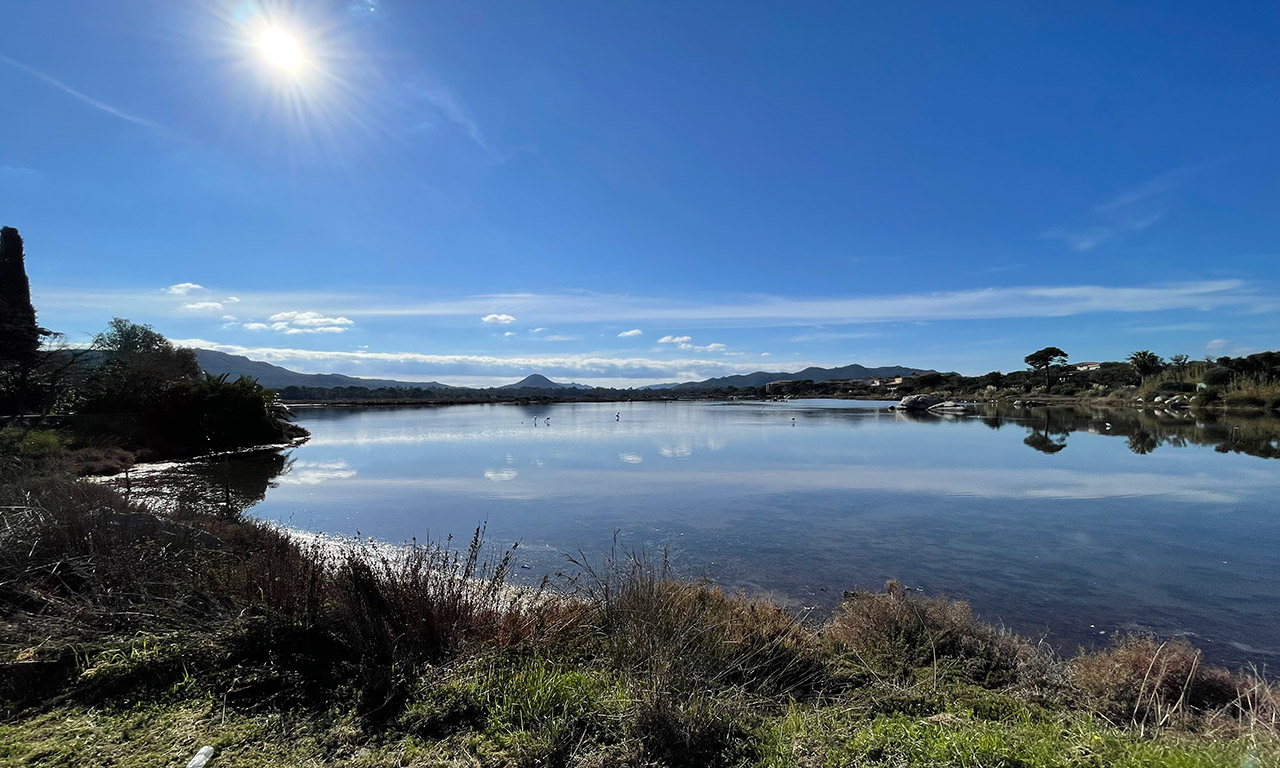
column 509, row 334
column 683, row 342
column 1213, row 345
column 228, row 317
column 537, row 330
column 308, row 319
column 232, row 300
column 182, row 289
column 499, row 319
column 293, row 323
column 203, row 305
column 630, row 333
column 766, row 354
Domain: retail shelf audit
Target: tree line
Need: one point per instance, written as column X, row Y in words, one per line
column 131, row 387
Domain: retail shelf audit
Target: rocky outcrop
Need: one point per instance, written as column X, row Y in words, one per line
column 919, row 402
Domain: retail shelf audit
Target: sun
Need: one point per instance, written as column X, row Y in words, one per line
column 280, row 49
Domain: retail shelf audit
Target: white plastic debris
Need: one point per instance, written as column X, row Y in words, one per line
column 202, row 758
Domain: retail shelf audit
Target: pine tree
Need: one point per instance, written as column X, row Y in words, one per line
column 19, row 334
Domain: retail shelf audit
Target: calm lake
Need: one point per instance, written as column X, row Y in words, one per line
column 1068, row 523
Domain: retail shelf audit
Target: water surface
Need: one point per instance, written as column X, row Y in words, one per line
column 1069, row 523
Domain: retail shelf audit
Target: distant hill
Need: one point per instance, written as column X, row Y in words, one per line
column 538, row 381
column 815, row 374
column 275, row 377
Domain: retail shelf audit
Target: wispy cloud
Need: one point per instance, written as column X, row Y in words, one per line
column 819, row 336
column 1082, row 239
column 443, row 101
column 722, row 311
column 81, row 96
column 182, row 289
column 18, row 174
column 674, row 339
column 1175, row 327
column 1131, row 210
column 630, row 333
column 202, row 305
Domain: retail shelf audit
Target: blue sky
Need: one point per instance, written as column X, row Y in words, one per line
column 640, row 192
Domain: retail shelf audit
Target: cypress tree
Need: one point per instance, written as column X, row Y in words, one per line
column 19, row 334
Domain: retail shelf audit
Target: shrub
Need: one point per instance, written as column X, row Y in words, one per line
column 894, row 635
column 1218, row 376
column 40, row 444
column 100, row 461
column 1143, row 681
column 688, row 636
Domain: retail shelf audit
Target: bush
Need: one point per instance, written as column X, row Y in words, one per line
column 895, row 635
column 1218, row 376
column 688, row 637
column 1146, row 682
column 1177, row 386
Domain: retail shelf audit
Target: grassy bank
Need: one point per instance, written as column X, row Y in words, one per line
column 130, row 639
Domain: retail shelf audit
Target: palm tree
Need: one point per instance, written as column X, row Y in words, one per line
column 1146, row 363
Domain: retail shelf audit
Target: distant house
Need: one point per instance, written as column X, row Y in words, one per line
column 1088, row 366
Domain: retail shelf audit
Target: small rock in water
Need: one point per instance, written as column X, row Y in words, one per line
column 526, row 567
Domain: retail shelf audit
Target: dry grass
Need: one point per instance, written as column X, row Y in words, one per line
column 1143, row 682
column 899, row 638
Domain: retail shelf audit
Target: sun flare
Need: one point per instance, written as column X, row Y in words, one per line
column 280, row 49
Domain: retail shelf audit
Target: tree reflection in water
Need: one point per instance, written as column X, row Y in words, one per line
column 1144, row 430
column 223, row 485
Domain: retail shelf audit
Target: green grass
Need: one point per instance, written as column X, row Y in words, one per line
column 535, row 715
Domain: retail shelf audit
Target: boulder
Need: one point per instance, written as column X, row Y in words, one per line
column 918, row 402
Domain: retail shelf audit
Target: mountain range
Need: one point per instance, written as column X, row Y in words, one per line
column 812, row 373
column 276, row 377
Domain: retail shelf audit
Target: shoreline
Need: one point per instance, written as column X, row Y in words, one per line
column 1041, row 401
column 278, row 651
